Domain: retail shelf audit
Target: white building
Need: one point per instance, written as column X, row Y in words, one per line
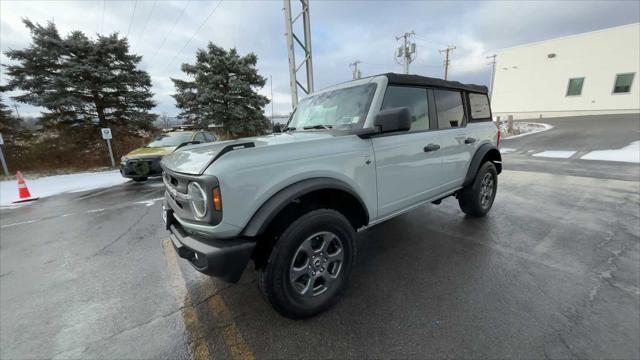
column 584, row 74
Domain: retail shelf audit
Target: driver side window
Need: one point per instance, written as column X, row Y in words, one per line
column 413, row 98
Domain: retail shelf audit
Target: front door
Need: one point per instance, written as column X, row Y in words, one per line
column 408, row 164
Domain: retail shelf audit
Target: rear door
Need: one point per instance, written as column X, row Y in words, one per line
column 408, row 164
column 458, row 141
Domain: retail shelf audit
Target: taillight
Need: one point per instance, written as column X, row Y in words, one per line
column 499, row 137
column 217, row 199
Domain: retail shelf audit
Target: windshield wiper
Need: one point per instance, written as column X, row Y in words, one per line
column 288, row 129
column 326, row 127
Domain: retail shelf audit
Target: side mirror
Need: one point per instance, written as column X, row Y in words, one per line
column 277, row 128
column 390, row 120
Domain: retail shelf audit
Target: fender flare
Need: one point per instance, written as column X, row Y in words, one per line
column 270, row 208
column 478, row 157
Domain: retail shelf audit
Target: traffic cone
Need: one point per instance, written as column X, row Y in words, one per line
column 23, row 192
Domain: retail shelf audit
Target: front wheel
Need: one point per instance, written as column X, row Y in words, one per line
column 476, row 199
column 310, row 264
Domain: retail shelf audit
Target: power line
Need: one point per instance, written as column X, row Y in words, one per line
column 194, row 35
column 135, row 4
column 148, row 17
column 170, row 30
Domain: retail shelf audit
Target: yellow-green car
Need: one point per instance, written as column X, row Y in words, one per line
column 144, row 162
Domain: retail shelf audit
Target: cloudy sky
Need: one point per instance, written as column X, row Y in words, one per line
column 167, row 33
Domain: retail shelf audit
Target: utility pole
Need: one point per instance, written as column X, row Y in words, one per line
column 15, row 106
column 306, row 47
column 446, row 59
column 271, row 83
column 406, row 50
column 355, row 72
column 165, row 122
column 493, row 73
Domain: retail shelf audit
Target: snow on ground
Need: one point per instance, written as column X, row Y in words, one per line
column 560, row 154
column 521, row 128
column 52, row 185
column 506, row 150
column 629, row 153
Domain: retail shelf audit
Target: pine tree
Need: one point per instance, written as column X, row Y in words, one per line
column 83, row 83
column 223, row 91
column 10, row 126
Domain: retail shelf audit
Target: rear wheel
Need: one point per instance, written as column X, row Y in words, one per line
column 476, row 199
column 310, row 264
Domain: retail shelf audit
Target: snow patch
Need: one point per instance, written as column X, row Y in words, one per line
column 521, row 129
column 52, row 185
column 559, row 154
column 629, row 153
column 506, row 150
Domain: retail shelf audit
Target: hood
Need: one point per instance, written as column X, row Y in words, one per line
column 195, row 159
column 150, row 151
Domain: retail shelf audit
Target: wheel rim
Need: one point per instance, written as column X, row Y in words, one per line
column 486, row 190
column 317, row 264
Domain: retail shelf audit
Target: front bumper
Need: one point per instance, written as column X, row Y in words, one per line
column 226, row 259
column 128, row 169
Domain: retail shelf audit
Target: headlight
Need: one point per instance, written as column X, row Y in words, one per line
column 198, row 199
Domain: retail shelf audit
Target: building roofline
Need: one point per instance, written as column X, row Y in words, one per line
column 569, row 36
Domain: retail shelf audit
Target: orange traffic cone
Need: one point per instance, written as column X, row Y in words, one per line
column 23, row 191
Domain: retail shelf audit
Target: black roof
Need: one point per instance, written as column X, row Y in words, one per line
column 417, row 80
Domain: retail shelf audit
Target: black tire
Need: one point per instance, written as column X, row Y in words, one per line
column 140, row 179
column 472, row 198
column 279, row 286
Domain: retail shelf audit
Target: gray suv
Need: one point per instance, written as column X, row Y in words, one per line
column 351, row 156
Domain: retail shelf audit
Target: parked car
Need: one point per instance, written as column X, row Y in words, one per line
column 144, row 162
column 352, row 156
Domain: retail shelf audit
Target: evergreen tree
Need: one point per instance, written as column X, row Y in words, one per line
column 223, row 91
column 83, row 83
column 10, row 126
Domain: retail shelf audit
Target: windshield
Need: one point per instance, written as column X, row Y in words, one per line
column 170, row 139
column 338, row 109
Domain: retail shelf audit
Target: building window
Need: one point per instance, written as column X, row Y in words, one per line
column 575, row 87
column 449, row 108
column 623, row 83
column 413, row 98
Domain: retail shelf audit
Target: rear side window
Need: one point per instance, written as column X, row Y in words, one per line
column 479, row 106
column 449, row 108
column 209, row 137
column 413, row 98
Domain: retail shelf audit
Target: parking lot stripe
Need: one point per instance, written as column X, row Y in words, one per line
column 238, row 348
column 198, row 347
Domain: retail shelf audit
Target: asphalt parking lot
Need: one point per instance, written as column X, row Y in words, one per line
column 552, row 272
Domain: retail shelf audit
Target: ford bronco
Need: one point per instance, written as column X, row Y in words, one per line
column 351, row 156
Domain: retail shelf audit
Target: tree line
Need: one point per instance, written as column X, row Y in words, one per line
column 84, row 84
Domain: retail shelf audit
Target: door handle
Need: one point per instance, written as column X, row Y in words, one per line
column 469, row 140
column 431, row 147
